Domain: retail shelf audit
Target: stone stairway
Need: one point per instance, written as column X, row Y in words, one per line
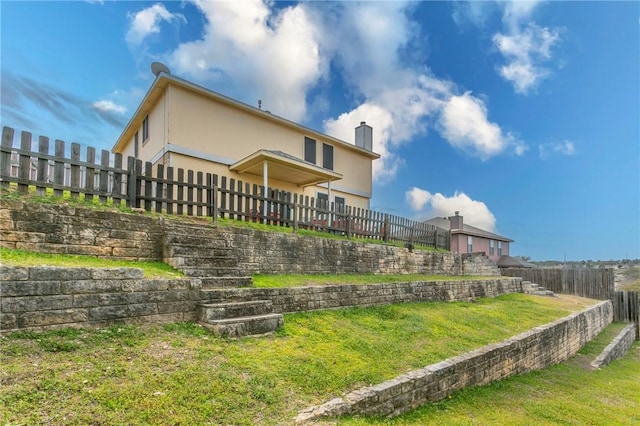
column 237, row 319
column 198, row 251
column 531, row 288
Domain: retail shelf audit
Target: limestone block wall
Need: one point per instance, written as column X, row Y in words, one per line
column 532, row 350
column 202, row 249
column 299, row 299
column 41, row 298
column 49, row 228
column 617, row 348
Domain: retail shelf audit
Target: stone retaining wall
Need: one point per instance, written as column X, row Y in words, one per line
column 201, row 249
column 298, row 299
column 47, row 228
column 617, row 348
column 533, row 350
column 41, row 298
column 47, row 297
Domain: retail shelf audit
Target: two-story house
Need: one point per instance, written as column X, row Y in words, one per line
column 470, row 239
column 184, row 125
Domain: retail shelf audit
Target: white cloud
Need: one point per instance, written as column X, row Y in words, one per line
column 429, row 205
column 278, row 54
column 559, row 148
column 465, row 125
column 524, row 46
column 147, row 22
column 523, row 51
column 273, row 56
column 109, row 106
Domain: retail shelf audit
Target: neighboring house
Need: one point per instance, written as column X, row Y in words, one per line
column 184, row 125
column 469, row 239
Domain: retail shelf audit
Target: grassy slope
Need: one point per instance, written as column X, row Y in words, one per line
column 179, row 374
column 566, row 393
column 12, row 257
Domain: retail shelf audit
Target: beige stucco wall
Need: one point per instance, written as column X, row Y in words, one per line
column 223, row 134
column 190, row 163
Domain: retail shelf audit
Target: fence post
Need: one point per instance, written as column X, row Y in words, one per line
column 131, row 182
column 386, row 227
column 24, row 162
column 43, row 164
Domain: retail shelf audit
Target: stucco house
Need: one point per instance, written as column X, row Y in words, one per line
column 469, row 239
column 183, row 125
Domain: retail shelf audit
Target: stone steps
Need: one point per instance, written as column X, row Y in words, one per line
column 225, row 282
column 210, row 271
column 531, row 288
column 218, row 311
column 238, row 319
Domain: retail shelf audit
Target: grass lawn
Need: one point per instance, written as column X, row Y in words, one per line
column 563, row 394
column 180, row 374
column 275, row 281
column 12, row 257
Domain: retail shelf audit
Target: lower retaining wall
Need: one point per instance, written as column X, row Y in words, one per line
column 533, row 350
column 41, row 298
column 617, row 348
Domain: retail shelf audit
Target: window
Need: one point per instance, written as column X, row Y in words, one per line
column 327, row 156
column 499, row 248
column 340, row 204
column 322, row 200
column 310, row 150
column 135, row 146
column 469, row 244
column 145, row 129
column 491, row 247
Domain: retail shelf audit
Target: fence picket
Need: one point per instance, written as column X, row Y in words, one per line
column 240, row 200
column 169, row 196
column 180, row 209
column 43, row 165
column 5, row 156
column 24, row 163
column 104, row 176
column 58, row 168
column 116, row 189
column 159, row 187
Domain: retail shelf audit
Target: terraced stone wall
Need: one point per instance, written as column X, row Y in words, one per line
column 203, row 250
column 39, row 298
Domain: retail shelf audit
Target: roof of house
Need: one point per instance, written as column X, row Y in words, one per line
column 443, row 222
column 163, row 80
column 507, row 261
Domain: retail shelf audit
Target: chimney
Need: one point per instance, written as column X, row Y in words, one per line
column 456, row 221
column 364, row 136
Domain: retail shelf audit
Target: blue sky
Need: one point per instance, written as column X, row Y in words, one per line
column 523, row 116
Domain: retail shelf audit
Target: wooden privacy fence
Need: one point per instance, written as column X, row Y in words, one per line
column 594, row 283
column 192, row 193
column 626, row 308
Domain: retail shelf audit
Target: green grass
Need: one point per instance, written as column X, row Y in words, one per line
column 275, row 281
column 14, row 257
column 180, row 374
column 563, row 394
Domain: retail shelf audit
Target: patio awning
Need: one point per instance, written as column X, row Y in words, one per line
column 283, row 167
